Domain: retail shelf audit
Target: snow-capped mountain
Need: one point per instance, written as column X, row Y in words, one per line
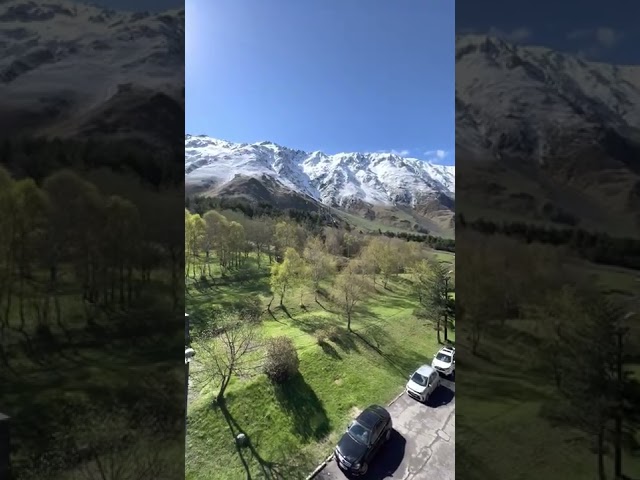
column 338, row 180
column 63, row 62
column 525, row 99
column 547, row 127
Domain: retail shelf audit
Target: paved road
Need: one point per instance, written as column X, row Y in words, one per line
column 422, row 445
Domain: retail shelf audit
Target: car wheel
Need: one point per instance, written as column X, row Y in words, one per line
column 365, row 467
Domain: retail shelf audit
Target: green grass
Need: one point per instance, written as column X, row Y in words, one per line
column 505, row 394
column 291, row 428
column 78, row 366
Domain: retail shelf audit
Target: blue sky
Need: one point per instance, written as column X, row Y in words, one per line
column 597, row 30
column 330, row 75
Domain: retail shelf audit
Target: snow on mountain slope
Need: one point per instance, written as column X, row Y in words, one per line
column 519, row 98
column 336, row 180
column 62, row 60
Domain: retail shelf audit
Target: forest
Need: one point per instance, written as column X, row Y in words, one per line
column 91, row 301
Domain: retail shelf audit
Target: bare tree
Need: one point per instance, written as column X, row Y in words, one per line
column 223, row 351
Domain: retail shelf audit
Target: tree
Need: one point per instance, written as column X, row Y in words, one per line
column 589, row 386
column 287, row 274
column 319, row 261
column 195, row 232
column 223, row 350
column 215, row 223
column 388, row 261
column 349, row 290
column 286, row 236
column 481, row 302
column 431, row 280
column 370, row 259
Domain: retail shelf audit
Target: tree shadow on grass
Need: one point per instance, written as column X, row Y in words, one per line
column 402, row 361
column 249, row 451
column 330, row 350
column 304, row 407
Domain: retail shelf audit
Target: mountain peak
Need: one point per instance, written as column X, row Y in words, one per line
column 337, row 179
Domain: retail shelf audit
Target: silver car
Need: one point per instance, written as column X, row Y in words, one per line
column 422, row 383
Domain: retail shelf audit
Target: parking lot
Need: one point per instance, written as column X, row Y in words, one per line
column 422, row 445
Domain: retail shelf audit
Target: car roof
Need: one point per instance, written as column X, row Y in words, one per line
column 425, row 370
column 371, row 415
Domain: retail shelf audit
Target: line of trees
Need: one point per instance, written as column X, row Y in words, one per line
column 65, row 231
column 39, row 157
column 596, row 247
column 312, row 221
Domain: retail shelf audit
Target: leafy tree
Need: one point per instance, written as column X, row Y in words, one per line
column 433, row 286
column 286, row 236
column 320, row 263
column 349, row 290
column 287, row 275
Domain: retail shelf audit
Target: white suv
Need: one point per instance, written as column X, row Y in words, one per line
column 445, row 361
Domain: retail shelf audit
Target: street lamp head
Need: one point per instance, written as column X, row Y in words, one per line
column 189, row 353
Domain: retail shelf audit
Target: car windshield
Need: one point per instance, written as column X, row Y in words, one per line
column 419, row 379
column 443, row 357
column 359, row 433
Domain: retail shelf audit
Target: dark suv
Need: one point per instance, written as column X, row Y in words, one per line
column 363, row 438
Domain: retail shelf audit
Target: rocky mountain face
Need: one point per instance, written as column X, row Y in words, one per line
column 364, row 183
column 68, row 68
column 547, row 134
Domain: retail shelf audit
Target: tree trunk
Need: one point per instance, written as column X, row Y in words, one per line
column 601, row 472
column 445, row 329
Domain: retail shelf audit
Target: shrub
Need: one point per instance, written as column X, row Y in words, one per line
column 333, row 333
column 282, row 360
column 330, row 332
column 321, row 336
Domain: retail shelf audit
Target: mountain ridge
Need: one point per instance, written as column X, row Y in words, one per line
column 331, row 179
column 548, row 127
column 72, row 69
column 404, row 193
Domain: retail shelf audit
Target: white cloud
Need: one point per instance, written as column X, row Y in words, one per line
column 603, row 37
column 519, row 34
column 439, row 154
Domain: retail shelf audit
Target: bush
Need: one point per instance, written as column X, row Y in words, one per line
column 327, row 333
column 321, row 336
column 282, row 360
column 333, row 333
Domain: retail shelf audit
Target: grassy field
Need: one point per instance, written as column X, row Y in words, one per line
column 505, row 396
column 291, row 428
